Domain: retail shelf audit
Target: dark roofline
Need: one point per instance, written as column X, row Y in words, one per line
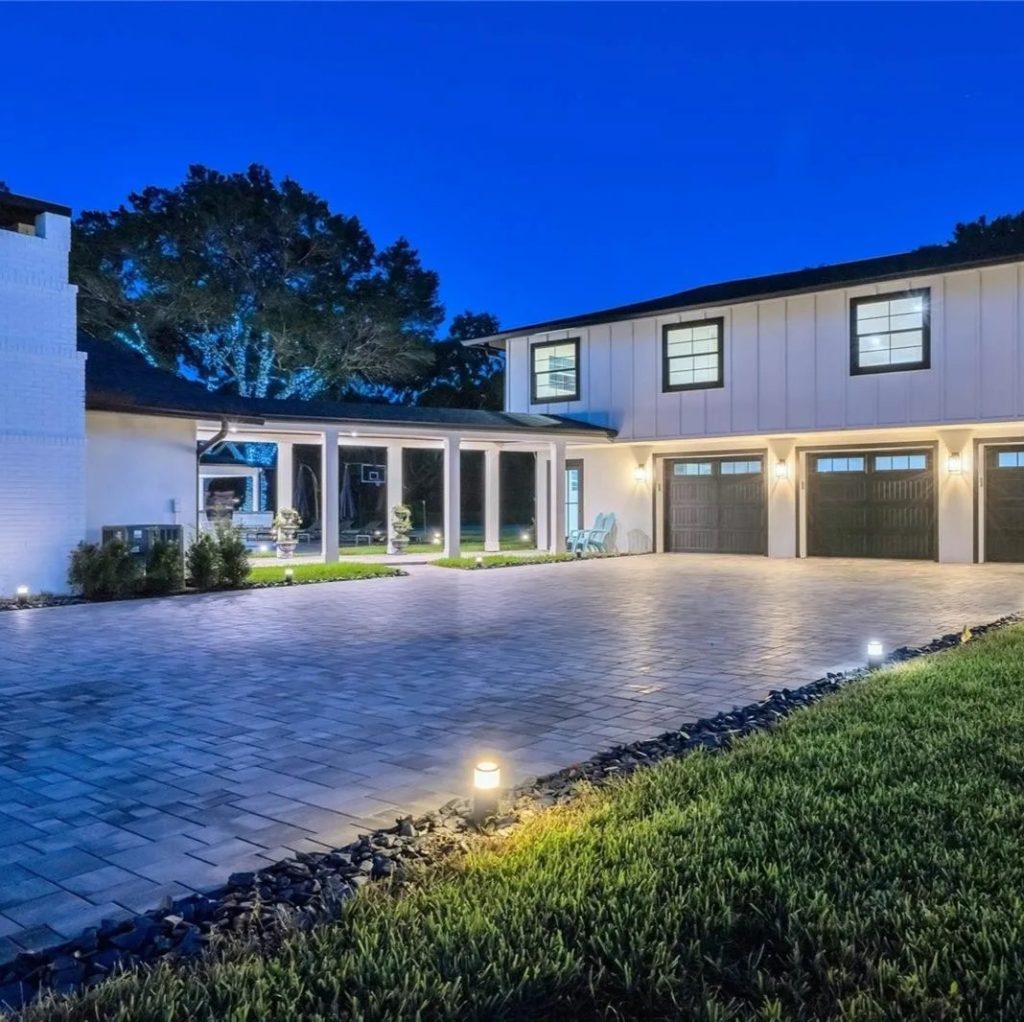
column 26, row 204
column 119, row 380
column 932, row 258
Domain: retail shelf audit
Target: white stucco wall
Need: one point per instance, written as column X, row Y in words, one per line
column 42, row 409
column 609, row 485
column 140, row 468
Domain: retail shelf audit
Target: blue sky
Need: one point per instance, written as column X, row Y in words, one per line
column 546, row 159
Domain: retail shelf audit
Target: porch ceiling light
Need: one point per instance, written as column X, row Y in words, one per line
column 955, row 464
column 640, row 474
column 781, row 470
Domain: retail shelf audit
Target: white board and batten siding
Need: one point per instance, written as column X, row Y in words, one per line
column 787, row 365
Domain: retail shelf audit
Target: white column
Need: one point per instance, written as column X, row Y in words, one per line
column 452, row 498
column 285, row 475
column 782, row 491
column 540, row 513
column 556, row 539
column 956, row 497
column 330, row 479
column 492, row 498
column 395, row 488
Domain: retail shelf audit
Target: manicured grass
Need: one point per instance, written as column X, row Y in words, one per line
column 500, row 560
column 862, row 862
column 319, row 572
column 431, row 548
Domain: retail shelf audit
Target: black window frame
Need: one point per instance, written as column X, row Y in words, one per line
column 575, row 395
column 671, row 388
column 925, row 362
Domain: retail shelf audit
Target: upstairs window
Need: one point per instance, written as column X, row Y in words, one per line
column 555, row 372
column 692, row 355
column 889, row 333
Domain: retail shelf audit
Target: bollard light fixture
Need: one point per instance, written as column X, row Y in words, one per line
column 875, row 653
column 22, row 593
column 479, row 561
column 486, row 779
column 436, row 538
column 289, row 576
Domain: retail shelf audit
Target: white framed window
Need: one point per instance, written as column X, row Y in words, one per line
column 555, row 371
column 890, row 333
column 692, row 355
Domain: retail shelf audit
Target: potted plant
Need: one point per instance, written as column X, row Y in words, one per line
column 286, row 523
column 401, row 523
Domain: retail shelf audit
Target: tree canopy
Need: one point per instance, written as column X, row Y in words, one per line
column 984, row 237
column 254, row 286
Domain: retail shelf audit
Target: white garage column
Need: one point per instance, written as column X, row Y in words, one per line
column 956, row 496
column 395, row 489
column 330, row 479
column 540, row 501
column 452, row 497
column 284, row 484
column 782, row 491
column 556, row 538
column 492, row 499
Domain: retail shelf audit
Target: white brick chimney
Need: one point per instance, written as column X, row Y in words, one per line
column 42, row 399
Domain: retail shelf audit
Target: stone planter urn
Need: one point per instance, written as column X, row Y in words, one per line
column 401, row 523
column 286, row 524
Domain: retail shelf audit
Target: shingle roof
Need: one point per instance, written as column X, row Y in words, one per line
column 819, row 278
column 119, row 380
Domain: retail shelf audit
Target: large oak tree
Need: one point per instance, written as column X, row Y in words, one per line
column 254, row 286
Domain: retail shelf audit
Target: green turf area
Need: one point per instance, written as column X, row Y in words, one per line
column 861, row 862
column 499, row 560
column 431, row 548
column 320, row 572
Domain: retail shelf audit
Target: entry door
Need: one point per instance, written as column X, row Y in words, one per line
column 716, row 505
column 871, row 504
column 1004, row 504
column 573, row 496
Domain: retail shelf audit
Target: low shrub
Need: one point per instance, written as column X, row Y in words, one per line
column 203, row 561
column 233, row 558
column 164, row 572
column 103, row 572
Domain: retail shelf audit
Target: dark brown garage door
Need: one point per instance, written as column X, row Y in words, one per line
column 1004, row 504
column 871, row 504
column 715, row 505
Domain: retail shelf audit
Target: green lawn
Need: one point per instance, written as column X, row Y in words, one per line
column 499, row 560
column 861, row 862
column 320, row 572
column 471, row 545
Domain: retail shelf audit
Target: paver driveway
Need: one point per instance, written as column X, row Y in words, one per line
column 156, row 746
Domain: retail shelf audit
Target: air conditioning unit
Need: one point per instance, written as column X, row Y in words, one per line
column 140, row 539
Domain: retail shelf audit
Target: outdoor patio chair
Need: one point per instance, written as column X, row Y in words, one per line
column 593, row 540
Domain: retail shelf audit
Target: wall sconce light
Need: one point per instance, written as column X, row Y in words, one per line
column 955, row 464
column 640, row 474
column 781, row 470
column 486, row 778
column 289, row 576
column 22, row 593
column 875, row 653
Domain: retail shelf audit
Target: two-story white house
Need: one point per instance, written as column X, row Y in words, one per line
column 867, row 409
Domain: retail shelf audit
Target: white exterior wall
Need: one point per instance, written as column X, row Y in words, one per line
column 42, row 410
column 140, row 470
column 609, row 485
column 787, row 365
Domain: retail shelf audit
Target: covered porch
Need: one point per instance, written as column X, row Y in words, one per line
column 317, row 464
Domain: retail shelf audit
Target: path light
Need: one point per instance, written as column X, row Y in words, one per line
column 289, row 576
column 525, row 537
column 486, row 778
column 264, row 549
column 875, row 653
column 955, row 464
column 640, row 474
column 22, row 593
column 479, row 561
column 781, row 470
column 436, row 537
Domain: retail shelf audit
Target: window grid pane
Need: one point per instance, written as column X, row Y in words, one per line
column 692, row 354
column 1010, row 459
column 554, row 371
column 890, row 331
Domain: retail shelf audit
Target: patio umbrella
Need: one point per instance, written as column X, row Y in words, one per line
column 347, row 500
